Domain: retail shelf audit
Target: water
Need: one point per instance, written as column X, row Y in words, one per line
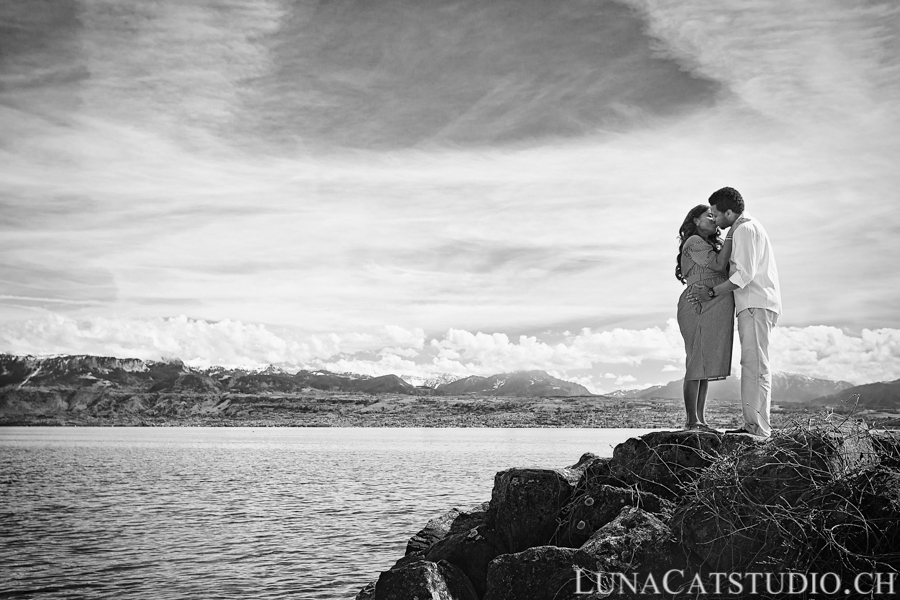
column 241, row 512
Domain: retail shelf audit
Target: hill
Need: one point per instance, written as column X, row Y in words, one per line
column 520, row 383
column 174, row 377
column 876, row 396
column 786, row 387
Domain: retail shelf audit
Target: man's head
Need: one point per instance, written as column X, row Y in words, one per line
column 726, row 205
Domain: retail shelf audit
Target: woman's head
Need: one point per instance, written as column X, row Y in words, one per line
column 699, row 221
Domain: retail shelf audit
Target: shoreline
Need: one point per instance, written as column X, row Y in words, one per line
column 58, row 407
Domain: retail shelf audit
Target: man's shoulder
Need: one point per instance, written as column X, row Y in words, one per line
column 750, row 225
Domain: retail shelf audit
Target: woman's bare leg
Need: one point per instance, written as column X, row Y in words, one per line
column 701, row 400
column 690, row 391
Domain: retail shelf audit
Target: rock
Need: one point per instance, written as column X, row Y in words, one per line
column 587, row 459
column 540, row 573
column 424, row 580
column 525, row 503
column 861, row 514
column 598, row 505
column 662, row 462
column 436, row 529
column 726, row 540
column 794, row 461
column 367, row 593
column 887, row 447
column 433, row 531
column 471, row 551
column 743, row 512
column 637, row 545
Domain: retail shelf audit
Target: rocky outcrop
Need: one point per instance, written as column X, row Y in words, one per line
column 667, row 511
column 525, row 503
column 424, row 580
column 539, row 573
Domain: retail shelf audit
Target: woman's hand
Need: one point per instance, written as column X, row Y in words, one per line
column 698, row 294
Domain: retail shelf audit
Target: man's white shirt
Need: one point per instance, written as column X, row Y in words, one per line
column 753, row 268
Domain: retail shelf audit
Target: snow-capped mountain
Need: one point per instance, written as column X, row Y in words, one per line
column 520, row 383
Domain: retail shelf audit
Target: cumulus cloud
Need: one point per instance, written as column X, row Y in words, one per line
column 600, row 360
column 631, row 346
column 196, row 342
column 829, row 352
column 625, row 379
column 406, row 338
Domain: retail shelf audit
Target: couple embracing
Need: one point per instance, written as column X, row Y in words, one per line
column 724, row 277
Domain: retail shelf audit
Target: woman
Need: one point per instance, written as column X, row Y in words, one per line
column 708, row 328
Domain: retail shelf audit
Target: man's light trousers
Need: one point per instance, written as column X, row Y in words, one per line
column 754, row 327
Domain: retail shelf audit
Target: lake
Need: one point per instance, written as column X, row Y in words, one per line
column 313, row 513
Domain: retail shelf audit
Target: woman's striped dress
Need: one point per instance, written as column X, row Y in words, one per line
column 708, row 333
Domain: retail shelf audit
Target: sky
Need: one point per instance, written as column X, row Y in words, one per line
column 441, row 188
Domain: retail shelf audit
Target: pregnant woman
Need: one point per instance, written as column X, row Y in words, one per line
column 707, row 329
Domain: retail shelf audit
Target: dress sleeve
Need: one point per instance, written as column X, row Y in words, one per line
column 699, row 250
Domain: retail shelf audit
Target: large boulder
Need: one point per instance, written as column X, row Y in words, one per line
column 525, row 504
column 726, row 538
column 887, row 447
column 367, row 593
column 439, row 527
column 663, row 462
column 749, row 509
column 854, row 525
column 539, row 573
column 471, row 551
column 635, row 545
column 424, row 580
column 598, row 504
column 794, row 461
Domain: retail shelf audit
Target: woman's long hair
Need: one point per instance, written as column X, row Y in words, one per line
column 687, row 229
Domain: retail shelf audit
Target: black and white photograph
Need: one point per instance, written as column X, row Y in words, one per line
column 449, row 299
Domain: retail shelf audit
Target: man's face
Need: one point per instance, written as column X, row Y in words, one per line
column 723, row 219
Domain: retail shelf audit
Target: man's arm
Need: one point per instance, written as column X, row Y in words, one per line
column 744, row 258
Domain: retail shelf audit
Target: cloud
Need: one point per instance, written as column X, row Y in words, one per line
column 590, row 358
column 480, row 209
column 782, row 63
column 196, row 342
column 631, row 346
column 829, row 352
column 406, row 338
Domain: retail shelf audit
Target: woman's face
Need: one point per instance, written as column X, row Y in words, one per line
column 706, row 223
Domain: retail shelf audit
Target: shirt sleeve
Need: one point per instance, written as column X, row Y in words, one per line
column 744, row 256
column 699, row 250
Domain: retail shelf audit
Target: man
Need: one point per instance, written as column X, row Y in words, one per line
column 757, row 302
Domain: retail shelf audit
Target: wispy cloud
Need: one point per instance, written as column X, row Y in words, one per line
column 483, row 168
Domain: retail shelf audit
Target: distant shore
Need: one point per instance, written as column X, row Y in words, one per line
column 348, row 409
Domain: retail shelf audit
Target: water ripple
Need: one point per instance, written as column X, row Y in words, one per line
column 235, row 513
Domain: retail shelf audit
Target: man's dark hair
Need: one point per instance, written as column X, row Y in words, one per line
column 727, row 198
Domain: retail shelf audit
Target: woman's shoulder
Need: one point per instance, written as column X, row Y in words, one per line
column 696, row 242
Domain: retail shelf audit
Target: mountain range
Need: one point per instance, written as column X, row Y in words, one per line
column 884, row 396
column 174, row 377
column 96, row 374
column 786, row 387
